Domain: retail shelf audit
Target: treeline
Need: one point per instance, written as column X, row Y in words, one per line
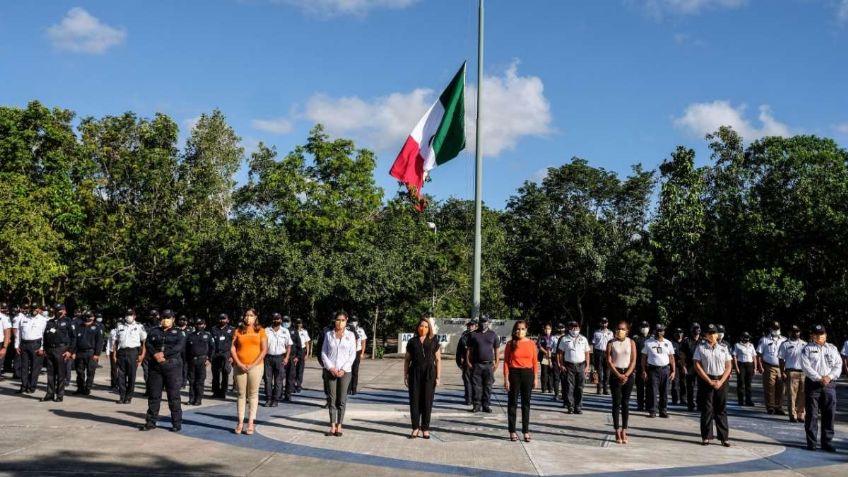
column 105, row 213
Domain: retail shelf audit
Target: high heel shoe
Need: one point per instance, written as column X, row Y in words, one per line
column 250, row 430
column 414, row 434
column 238, row 429
column 513, row 437
column 527, row 438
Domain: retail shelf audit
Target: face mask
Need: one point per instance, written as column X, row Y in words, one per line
column 340, row 324
column 604, row 325
column 775, row 332
column 99, row 320
column 720, row 336
column 249, row 320
column 620, row 334
column 712, row 338
column 166, row 323
column 645, row 331
column 522, row 334
column 422, row 331
column 574, row 333
column 820, row 339
column 287, row 325
column 745, row 340
column 277, row 323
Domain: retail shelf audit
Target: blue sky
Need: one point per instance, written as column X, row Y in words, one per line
column 616, row 82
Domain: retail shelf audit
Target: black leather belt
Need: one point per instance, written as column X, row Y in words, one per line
column 651, row 366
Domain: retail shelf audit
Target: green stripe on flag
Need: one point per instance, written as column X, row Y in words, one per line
column 449, row 139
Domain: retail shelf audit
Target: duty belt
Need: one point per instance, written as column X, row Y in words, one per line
column 791, row 370
column 651, row 366
column 37, row 340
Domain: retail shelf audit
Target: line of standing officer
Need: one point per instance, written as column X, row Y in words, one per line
column 687, row 352
column 744, row 358
column 713, row 366
column 659, row 369
column 295, row 358
column 29, row 337
column 199, row 346
column 769, row 364
column 461, row 360
column 792, row 374
column 166, row 345
column 89, row 343
column 600, row 338
column 222, row 362
column 59, row 345
column 276, row 360
column 128, row 352
column 573, row 354
column 822, row 367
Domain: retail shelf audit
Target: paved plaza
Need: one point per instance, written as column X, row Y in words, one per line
column 94, row 436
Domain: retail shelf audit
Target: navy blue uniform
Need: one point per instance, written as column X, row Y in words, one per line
column 221, row 365
column 59, row 338
column 461, row 347
column 167, row 374
column 199, row 347
column 89, row 344
column 295, row 358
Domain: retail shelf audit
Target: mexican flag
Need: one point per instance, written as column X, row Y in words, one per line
column 438, row 137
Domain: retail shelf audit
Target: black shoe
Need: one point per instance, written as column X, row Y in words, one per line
column 21, row 391
column 127, row 400
column 779, row 412
column 59, row 399
column 47, row 398
column 664, row 415
column 725, row 443
column 749, row 403
column 567, row 409
column 467, row 402
column 120, row 401
column 770, row 412
column 811, row 447
column 792, row 419
column 578, row 411
column 690, row 408
column 147, row 427
column 323, row 406
column 640, row 409
column 487, row 410
column 606, row 392
column 267, row 404
column 475, row 409
column 78, row 392
column 652, row 415
column 176, row 429
column 828, row 448
column 286, row 399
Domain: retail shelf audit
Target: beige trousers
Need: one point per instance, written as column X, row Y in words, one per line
column 795, row 393
column 772, row 387
column 247, row 385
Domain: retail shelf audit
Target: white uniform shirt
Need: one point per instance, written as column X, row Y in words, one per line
column 360, row 336
column 600, row 338
column 573, row 349
column 29, row 328
column 659, row 353
column 744, row 352
column 128, row 335
column 790, row 353
column 819, row 361
column 304, row 337
column 768, row 349
column 5, row 324
column 845, row 348
column 338, row 353
column 712, row 359
column 278, row 340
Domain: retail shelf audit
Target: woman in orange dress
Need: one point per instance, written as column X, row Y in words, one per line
column 248, row 351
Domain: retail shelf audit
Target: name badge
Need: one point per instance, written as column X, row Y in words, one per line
column 221, row 339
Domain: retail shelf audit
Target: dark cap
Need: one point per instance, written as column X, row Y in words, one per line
column 287, row 318
column 604, row 320
column 720, row 328
column 818, row 330
column 775, row 325
column 276, row 316
column 678, row 330
column 354, row 319
column 199, row 321
column 223, row 316
column 130, row 311
column 795, row 328
column 88, row 316
column 695, row 326
column 470, row 323
column 182, row 318
column 484, row 318
column 572, row 324
column 711, row 328
column 59, row 307
column 644, row 324
column 167, row 314
column 298, row 321
column 745, row 334
column 659, row 327
column 154, row 313
column 560, row 325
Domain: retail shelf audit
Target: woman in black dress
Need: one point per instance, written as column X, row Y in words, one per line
column 422, row 371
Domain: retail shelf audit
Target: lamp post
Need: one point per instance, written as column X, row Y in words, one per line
column 435, row 229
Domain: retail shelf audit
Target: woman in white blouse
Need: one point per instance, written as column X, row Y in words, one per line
column 337, row 355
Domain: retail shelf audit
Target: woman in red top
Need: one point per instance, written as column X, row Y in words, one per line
column 521, row 364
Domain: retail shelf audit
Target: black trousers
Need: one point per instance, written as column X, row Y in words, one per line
column 220, row 374
column 819, row 398
column 291, row 377
column 547, row 377
column 599, row 361
column 354, row 375
column 422, row 389
column 168, row 375
column 145, row 371
column 574, row 376
column 186, row 365
column 126, row 367
column 196, row 378
column 557, row 380
column 621, row 399
column 275, row 377
column 743, row 382
column 641, row 395
column 69, row 367
column 482, row 377
column 691, row 392
column 298, row 381
column 658, row 388
column 520, row 383
column 466, row 383
column 678, row 388
column 713, row 404
column 30, row 364
column 85, row 366
column 55, row 370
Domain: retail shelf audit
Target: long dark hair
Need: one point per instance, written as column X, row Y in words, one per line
column 243, row 326
column 515, row 333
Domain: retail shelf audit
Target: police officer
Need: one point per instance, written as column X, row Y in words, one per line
column 5, row 336
column 558, row 383
column 152, row 322
column 712, row 365
column 744, row 356
column 641, row 336
column 77, row 322
column 184, row 328
column 482, row 358
column 547, row 357
column 59, row 347
column 89, row 343
column 792, row 374
column 461, row 348
column 29, row 336
column 659, row 368
column 600, row 338
column 222, row 362
column 128, row 351
column 305, row 353
column 769, row 365
column 678, row 384
column 199, row 346
column 573, row 354
column 687, row 351
column 166, row 345
column 822, row 367
column 295, row 357
column 361, row 339
column 276, row 360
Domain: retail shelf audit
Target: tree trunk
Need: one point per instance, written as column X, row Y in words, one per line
column 374, row 332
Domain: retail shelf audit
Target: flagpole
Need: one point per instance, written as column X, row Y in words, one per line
column 478, row 182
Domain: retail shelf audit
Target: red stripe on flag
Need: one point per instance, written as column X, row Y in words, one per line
column 409, row 165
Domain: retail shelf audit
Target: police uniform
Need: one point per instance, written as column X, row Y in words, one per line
column 641, row 395
column 483, row 346
column 221, row 365
column 772, row 381
column 600, row 338
column 557, row 378
column 279, row 342
column 658, row 354
column 59, row 338
column 714, row 361
column 295, row 359
column 167, row 375
column 29, row 336
column 547, row 353
column 128, row 341
column 89, row 343
column 790, row 365
column 360, row 340
column 303, row 335
column 678, row 384
column 687, row 348
column 571, row 353
column 819, row 362
column 199, row 346
column 461, row 348
column 744, row 353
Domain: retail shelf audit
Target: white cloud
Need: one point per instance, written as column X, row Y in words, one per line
column 190, row 123
column 540, row 174
column 331, row 8
column 659, row 8
column 842, row 12
column 80, row 32
column 515, row 107
column 273, row 126
column 700, row 119
column 842, row 128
